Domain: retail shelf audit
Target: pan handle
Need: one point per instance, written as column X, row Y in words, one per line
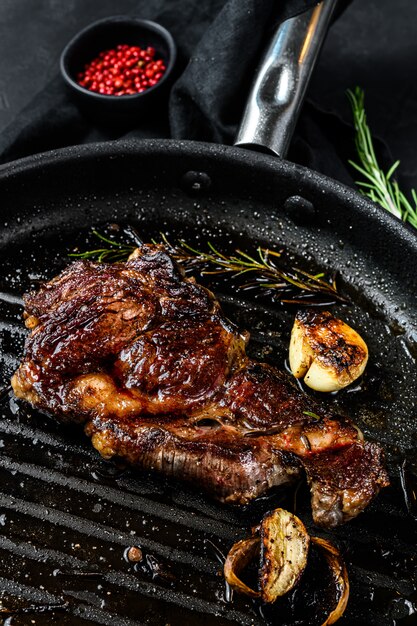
column 281, row 81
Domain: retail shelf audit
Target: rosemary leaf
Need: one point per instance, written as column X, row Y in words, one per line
column 311, row 414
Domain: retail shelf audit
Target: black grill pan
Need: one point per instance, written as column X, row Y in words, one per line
column 67, row 517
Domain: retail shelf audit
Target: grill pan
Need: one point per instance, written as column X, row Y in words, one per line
column 63, row 508
column 67, row 517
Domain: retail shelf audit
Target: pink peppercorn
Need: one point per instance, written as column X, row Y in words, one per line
column 124, row 70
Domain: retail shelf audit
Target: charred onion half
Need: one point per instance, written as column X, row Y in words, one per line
column 284, row 551
column 281, row 543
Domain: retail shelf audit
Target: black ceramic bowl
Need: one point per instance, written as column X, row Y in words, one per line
column 106, row 34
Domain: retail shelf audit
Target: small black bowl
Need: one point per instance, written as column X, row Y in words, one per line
column 106, row 34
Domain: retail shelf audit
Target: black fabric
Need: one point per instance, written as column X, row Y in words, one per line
column 219, row 44
column 223, row 41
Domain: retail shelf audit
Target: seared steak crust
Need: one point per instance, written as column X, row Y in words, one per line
column 341, row 480
column 145, row 358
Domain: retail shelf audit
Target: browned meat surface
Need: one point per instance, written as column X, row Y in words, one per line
column 341, row 480
column 145, row 358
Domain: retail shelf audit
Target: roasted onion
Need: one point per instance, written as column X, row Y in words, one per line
column 281, row 543
column 239, row 557
column 340, row 576
column 284, row 551
column 282, row 548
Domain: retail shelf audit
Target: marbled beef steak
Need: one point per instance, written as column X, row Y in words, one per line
column 145, row 358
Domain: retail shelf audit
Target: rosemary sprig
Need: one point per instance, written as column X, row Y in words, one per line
column 266, row 270
column 292, row 286
column 377, row 185
column 116, row 252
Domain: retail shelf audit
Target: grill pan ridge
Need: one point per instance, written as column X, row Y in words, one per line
column 67, row 517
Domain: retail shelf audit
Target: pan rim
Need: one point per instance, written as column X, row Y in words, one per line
column 193, row 148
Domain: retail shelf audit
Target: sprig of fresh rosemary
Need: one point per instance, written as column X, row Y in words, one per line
column 266, row 270
column 377, row 185
column 263, row 270
column 116, row 252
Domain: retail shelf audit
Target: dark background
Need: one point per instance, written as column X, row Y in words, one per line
column 372, row 44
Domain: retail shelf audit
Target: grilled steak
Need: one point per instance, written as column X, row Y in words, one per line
column 144, row 357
